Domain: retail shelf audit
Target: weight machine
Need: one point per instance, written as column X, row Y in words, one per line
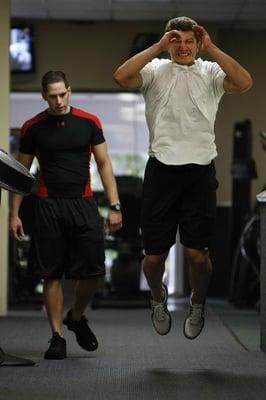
column 244, row 288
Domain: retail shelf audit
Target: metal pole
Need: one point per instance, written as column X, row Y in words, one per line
column 261, row 197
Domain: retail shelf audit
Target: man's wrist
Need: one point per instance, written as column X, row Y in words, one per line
column 115, row 207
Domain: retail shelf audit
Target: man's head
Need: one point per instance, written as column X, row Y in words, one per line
column 180, row 24
column 184, row 47
column 56, row 91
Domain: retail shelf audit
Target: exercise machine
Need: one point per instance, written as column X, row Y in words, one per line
column 245, row 278
column 16, row 178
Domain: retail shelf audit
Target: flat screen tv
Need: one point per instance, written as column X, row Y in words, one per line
column 21, row 49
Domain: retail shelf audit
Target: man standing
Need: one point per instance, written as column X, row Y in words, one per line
column 67, row 237
column 181, row 96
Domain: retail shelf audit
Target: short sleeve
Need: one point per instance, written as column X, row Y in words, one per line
column 26, row 143
column 148, row 72
column 218, row 76
column 97, row 135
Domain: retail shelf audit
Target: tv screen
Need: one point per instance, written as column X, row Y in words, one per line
column 21, row 49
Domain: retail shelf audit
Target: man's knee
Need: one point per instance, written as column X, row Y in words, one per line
column 154, row 260
column 197, row 256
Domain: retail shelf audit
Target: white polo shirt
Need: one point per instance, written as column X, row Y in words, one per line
column 181, row 106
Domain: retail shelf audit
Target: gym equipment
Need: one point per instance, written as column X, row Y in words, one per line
column 244, row 288
column 122, row 284
column 245, row 277
column 243, row 171
column 6, row 360
column 16, row 178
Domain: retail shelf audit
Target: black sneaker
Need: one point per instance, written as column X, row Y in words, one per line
column 85, row 337
column 57, row 348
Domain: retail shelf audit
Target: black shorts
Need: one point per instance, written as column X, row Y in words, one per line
column 178, row 197
column 67, row 239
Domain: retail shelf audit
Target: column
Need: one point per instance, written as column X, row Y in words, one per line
column 261, row 197
column 4, row 144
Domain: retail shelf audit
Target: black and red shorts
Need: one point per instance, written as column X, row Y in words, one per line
column 178, row 197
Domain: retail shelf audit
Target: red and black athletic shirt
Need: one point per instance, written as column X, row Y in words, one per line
column 62, row 145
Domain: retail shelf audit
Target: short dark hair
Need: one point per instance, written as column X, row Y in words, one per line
column 180, row 24
column 53, row 77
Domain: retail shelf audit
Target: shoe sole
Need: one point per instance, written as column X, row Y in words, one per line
column 54, row 358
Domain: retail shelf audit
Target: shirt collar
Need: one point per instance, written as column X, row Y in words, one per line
column 192, row 67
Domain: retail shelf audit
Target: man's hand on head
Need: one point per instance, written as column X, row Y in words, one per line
column 203, row 37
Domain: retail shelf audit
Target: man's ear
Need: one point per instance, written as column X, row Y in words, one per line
column 198, row 46
column 69, row 90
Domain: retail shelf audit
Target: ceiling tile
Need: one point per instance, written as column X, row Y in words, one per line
column 234, row 13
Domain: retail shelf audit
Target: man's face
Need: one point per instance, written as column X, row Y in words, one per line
column 184, row 48
column 57, row 97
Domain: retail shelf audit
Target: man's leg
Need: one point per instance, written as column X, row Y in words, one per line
column 200, row 270
column 76, row 321
column 53, row 301
column 153, row 268
column 84, row 293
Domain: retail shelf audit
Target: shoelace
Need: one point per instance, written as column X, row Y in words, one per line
column 195, row 314
column 159, row 312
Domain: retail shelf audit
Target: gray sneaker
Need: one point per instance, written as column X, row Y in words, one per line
column 194, row 321
column 160, row 316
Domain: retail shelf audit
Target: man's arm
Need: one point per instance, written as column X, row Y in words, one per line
column 128, row 74
column 105, row 170
column 237, row 78
column 15, row 223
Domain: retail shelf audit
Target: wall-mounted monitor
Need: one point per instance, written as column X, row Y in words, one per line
column 21, row 49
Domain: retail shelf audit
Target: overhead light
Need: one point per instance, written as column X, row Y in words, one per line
column 141, row 1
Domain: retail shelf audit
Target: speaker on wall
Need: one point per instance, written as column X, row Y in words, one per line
column 242, row 146
column 142, row 41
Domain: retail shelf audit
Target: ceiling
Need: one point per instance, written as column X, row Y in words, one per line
column 249, row 14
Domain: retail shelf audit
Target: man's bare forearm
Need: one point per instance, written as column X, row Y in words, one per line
column 128, row 74
column 16, row 200
column 108, row 180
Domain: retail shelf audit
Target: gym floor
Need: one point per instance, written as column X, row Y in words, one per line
column 135, row 363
